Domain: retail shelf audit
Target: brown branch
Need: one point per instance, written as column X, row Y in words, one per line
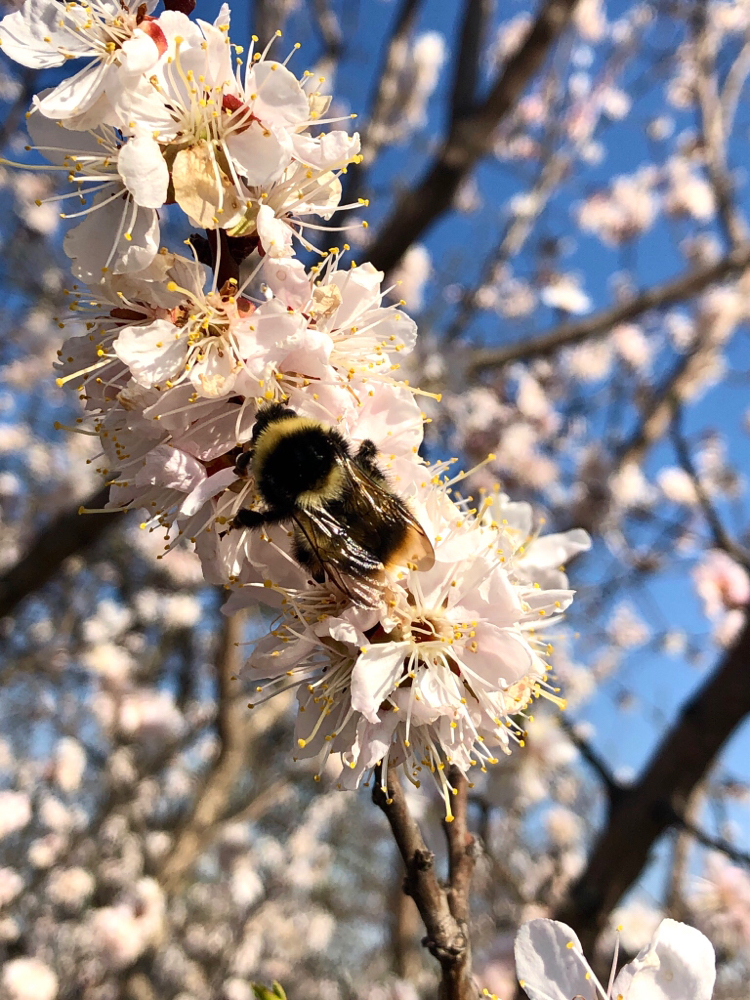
column 465, row 81
column 714, row 132
column 570, row 334
column 68, row 533
column 649, row 807
column 469, row 139
column 387, row 92
column 721, row 537
column 231, row 730
column 592, row 758
column 329, row 28
column 715, row 843
column 461, row 858
column 445, row 940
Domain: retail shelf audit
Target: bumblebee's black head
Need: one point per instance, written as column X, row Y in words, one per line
column 295, row 459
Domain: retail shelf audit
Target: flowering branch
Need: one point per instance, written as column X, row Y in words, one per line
column 721, row 537
column 443, row 912
column 569, row 334
column 468, row 140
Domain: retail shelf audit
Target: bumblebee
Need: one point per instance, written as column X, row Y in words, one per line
column 347, row 524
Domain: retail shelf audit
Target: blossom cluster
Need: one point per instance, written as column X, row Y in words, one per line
column 173, row 358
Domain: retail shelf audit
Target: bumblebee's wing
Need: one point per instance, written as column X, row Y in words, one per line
column 352, row 569
column 417, row 547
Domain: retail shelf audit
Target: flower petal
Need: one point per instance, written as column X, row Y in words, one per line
column 678, row 963
column 546, row 967
column 144, row 171
column 374, row 676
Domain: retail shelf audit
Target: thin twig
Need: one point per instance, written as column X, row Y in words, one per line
column 721, row 537
column 613, row 787
column 569, row 334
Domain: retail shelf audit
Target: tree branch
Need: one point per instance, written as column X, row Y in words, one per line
column 469, row 140
column 570, row 334
column 68, row 533
column 715, row 843
column 445, row 940
column 231, row 730
column 646, row 809
column 612, row 787
column 465, row 81
column 721, row 538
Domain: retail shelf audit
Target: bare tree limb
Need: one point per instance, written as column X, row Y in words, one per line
column 461, row 858
column 570, row 334
column 469, row 139
column 466, row 79
column 68, row 533
column 721, row 537
column 715, row 843
column 330, row 29
column 386, row 94
column 649, row 807
column 612, row 787
column 231, row 730
column 714, row 130
column 445, row 940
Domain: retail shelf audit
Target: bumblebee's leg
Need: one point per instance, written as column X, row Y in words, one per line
column 305, row 555
column 247, row 518
column 365, row 459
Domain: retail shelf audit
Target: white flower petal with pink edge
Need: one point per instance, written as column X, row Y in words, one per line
column 206, row 489
column 327, row 151
column 360, row 291
column 99, row 243
column 260, row 153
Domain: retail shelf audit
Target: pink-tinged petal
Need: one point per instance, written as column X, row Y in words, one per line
column 153, row 353
column 493, row 596
column 206, row 490
column 392, row 418
column 546, row 967
column 76, row 94
column 374, row 676
column 142, row 50
column 279, row 98
column 271, row 656
column 679, row 963
column 171, row 468
column 371, row 741
column 360, row 291
column 551, row 602
column 552, row 551
column 144, row 171
column 288, row 280
column 498, row 655
column 215, row 375
column 92, row 244
column 327, row 151
column 275, row 236
column 33, row 36
column 260, row 154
